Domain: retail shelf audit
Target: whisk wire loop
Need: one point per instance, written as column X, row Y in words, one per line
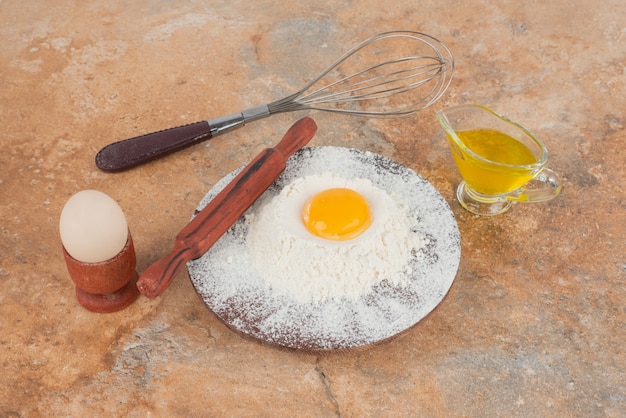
column 420, row 77
column 376, row 87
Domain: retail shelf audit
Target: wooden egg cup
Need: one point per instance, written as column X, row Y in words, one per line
column 107, row 286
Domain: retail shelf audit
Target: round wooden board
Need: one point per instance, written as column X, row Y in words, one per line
column 229, row 284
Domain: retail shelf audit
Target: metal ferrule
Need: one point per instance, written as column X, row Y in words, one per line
column 230, row 122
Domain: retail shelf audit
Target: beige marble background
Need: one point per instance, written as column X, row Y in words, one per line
column 534, row 324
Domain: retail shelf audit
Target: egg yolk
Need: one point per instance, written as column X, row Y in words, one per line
column 337, row 214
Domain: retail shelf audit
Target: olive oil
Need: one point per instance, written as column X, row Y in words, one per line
column 510, row 155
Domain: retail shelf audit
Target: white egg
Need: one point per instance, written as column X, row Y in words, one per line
column 93, row 227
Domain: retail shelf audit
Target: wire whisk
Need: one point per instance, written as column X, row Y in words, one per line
column 422, row 76
column 391, row 74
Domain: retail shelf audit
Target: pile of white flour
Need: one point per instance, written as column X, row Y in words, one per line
column 310, row 269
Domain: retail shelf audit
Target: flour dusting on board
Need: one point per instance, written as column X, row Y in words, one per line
column 234, row 283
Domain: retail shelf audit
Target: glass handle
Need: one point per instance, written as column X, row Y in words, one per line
column 544, row 186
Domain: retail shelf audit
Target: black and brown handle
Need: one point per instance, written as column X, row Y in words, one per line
column 129, row 153
column 132, row 152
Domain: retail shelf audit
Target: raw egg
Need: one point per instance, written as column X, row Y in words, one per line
column 329, row 210
column 337, row 214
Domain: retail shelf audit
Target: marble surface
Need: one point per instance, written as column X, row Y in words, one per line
column 534, row 324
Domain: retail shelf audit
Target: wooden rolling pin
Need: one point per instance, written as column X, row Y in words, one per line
column 223, row 211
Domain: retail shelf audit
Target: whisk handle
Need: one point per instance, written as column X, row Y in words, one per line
column 132, row 152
